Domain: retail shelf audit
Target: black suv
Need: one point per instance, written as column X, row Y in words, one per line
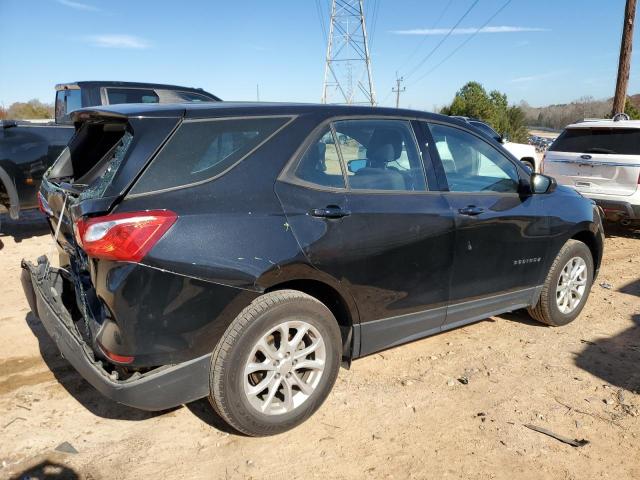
column 244, row 251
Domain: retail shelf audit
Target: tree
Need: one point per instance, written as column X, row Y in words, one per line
column 33, row 109
column 473, row 101
column 631, row 110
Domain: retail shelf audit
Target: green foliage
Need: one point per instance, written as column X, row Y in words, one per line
column 33, row 109
column 472, row 100
column 631, row 110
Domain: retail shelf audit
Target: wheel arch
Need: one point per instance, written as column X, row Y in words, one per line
column 590, row 240
column 9, row 187
column 342, row 308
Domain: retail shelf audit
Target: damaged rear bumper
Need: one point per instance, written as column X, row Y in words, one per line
column 159, row 389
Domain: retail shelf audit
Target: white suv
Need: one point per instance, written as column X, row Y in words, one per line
column 523, row 152
column 600, row 159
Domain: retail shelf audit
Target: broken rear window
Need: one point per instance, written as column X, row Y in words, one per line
column 108, row 167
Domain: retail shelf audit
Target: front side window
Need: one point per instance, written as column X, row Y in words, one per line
column 320, row 164
column 131, row 95
column 486, row 129
column 471, row 164
column 200, row 150
column 380, row 155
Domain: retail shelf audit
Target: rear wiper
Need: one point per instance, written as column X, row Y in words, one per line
column 600, row 150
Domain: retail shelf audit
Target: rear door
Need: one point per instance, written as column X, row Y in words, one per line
column 501, row 236
column 390, row 241
column 596, row 160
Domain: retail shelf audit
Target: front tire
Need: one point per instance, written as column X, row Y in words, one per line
column 567, row 286
column 275, row 364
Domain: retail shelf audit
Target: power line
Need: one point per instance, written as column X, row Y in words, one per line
column 434, row 49
column 374, row 21
column 425, row 37
column 320, row 13
column 467, row 40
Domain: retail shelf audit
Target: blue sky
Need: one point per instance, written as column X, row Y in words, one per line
column 540, row 51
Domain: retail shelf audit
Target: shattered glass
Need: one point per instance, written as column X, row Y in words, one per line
column 97, row 188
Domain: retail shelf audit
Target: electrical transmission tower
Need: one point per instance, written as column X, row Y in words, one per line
column 347, row 72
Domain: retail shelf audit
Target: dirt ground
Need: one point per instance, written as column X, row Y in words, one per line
column 399, row 414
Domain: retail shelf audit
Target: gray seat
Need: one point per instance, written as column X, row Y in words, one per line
column 312, row 167
column 385, row 146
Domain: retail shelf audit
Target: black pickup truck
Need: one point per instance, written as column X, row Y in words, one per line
column 29, row 148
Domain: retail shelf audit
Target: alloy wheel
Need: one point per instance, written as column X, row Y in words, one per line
column 284, row 367
column 571, row 285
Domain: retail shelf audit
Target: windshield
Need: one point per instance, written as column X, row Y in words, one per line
column 621, row 141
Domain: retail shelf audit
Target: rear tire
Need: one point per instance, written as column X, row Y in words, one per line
column 563, row 297
column 262, row 385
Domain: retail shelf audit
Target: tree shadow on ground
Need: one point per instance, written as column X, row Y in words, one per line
column 77, row 386
column 615, row 360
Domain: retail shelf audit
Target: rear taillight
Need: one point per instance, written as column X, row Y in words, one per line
column 123, row 236
column 117, row 358
column 542, row 163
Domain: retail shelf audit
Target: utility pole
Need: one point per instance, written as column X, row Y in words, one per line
column 348, row 59
column 624, row 63
column 398, row 90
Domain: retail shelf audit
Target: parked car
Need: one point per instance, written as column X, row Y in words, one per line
column 241, row 252
column 523, row 152
column 601, row 160
column 28, row 148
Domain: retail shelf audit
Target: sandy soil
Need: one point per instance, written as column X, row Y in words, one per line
column 399, row 414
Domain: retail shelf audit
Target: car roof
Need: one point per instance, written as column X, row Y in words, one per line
column 230, row 109
column 606, row 123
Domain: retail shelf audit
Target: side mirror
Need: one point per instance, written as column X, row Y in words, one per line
column 354, row 165
column 542, row 183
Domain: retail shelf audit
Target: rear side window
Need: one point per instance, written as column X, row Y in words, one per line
column 321, row 163
column 131, row 95
column 621, row 141
column 66, row 102
column 200, row 150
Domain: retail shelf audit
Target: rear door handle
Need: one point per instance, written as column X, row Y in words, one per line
column 471, row 210
column 330, row 211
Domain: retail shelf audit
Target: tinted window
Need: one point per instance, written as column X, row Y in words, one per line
column 320, row 164
column 66, row 102
column 200, row 150
column 471, row 164
column 131, row 95
column 623, row 141
column 486, row 129
column 176, row 96
column 380, row 155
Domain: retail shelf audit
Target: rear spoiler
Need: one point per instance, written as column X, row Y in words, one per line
column 83, row 115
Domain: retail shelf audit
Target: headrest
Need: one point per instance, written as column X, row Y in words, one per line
column 385, row 145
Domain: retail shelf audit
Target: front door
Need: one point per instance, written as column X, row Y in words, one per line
column 501, row 235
